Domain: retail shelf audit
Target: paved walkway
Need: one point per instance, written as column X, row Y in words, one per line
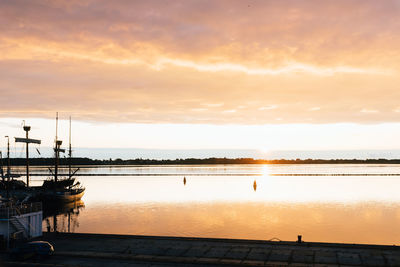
column 230, row 252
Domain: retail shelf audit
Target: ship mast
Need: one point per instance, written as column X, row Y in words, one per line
column 8, row 167
column 1, row 167
column 70, row 150
column 57, row 151
column 27, row 141
column 8, row 158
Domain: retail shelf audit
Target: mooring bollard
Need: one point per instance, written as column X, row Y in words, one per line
column 299, row 239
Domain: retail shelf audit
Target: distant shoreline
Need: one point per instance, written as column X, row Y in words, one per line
column 191, row 161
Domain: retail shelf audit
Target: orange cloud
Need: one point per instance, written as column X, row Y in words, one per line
column 201, row 62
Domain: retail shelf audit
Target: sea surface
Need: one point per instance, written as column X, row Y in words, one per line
column 133, row 153
column 324, row 203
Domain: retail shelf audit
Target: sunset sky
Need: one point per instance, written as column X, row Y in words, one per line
column 203, row 74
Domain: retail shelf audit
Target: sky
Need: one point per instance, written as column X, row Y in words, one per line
column 281, row 75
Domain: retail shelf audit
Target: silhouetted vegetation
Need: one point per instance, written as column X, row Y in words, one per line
column 188, row 161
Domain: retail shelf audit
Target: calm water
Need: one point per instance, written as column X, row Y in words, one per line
column 223, row 201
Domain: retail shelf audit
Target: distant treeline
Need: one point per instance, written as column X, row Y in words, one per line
column 140, row 161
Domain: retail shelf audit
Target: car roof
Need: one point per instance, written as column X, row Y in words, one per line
column 39, row 242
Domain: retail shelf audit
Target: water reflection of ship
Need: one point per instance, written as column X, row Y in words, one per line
column 62, row 218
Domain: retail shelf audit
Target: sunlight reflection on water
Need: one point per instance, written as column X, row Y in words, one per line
column 329, row 209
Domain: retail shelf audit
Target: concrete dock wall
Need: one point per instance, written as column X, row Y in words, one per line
column 115, row 249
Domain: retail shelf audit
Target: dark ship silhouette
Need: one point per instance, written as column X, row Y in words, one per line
column 53, row 190
column 62, row 190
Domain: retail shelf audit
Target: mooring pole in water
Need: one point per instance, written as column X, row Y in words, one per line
column 299, row 239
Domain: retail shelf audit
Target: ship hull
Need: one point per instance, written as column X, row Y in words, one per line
column 62, row 196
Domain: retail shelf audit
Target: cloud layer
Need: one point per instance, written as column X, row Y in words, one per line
column 201, row 61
